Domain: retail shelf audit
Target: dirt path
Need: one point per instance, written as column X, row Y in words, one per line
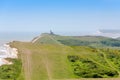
column 47, row 67
column 36, row 39
column 27, row 64
column 55, row 40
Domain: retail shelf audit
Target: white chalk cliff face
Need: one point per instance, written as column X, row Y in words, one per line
column 7, row 52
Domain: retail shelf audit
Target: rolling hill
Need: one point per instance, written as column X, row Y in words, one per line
column 55, row 57
column 92, row 41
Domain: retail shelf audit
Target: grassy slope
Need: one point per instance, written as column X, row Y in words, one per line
column 46, row 59
column 49, row 62
column 94, row 41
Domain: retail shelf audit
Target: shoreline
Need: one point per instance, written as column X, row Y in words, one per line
column 7, row 52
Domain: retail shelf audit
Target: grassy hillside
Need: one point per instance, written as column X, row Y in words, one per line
column 54, row 57
column 45, row 61
column 11, row 72
column 60, row 62
column 93, row 41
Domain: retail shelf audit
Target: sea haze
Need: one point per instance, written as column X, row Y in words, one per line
column 6, row 37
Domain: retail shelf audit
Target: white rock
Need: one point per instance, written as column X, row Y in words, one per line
column 7, row 52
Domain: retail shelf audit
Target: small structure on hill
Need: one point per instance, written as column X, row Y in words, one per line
column 51, row 32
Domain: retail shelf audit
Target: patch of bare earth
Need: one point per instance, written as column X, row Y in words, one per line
column 47, row 67
column 26, row 57
column 91, row 79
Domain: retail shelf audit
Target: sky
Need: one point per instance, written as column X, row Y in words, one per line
column 72, row 16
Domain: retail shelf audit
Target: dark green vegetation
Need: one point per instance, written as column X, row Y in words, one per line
column 103, row 64
column 54, row 57
column 93, row 41
column 11, row 72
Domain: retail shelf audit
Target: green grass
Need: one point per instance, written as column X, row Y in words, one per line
column 11, row 72
column 46, row 59
column 93, row 41
column 50, row 62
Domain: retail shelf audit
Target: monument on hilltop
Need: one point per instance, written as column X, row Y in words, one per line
column 51, row 32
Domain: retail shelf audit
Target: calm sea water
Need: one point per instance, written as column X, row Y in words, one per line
column 6, row 37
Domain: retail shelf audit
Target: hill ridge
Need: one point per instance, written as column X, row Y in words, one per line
column 93, row 41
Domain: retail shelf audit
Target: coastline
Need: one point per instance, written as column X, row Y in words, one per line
column 7, row 52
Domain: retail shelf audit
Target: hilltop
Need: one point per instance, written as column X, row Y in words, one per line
column 55, row 57
column 93, row 41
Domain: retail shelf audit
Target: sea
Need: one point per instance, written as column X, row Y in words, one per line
column 6, row 37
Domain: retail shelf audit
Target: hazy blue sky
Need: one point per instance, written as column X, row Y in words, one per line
column 59, row 15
